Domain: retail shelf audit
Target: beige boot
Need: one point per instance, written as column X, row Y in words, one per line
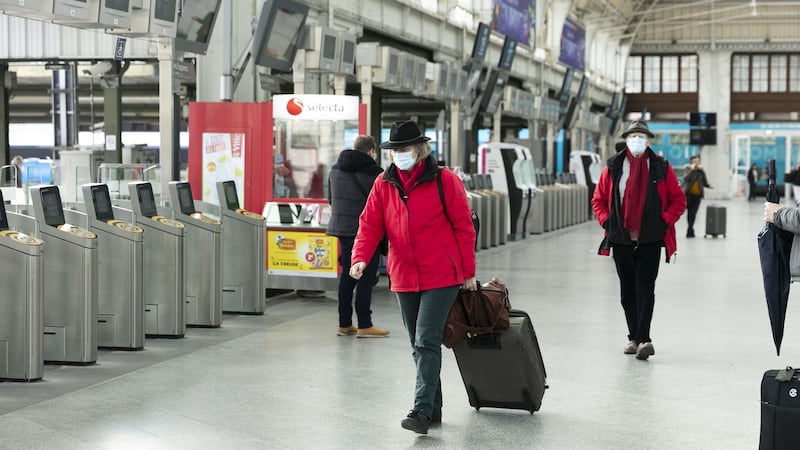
column 372, row 332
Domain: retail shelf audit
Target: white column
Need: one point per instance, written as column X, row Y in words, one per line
column 714, row 89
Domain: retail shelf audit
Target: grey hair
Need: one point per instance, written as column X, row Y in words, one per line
column 422, row 150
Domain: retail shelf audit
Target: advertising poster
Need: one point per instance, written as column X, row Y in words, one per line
column 223, row 160
column 302, row 253
column 573, row 45
column 514, row 18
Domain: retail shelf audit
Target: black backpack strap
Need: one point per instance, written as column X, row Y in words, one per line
column 441, row 196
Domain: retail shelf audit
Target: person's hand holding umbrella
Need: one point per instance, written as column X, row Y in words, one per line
column 769, row 211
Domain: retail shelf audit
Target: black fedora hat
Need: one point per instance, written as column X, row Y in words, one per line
column 404, row 134
column 638, row 126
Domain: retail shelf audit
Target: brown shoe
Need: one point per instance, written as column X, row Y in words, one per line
column 630, row 348
column 372, row 332
column 346, row 331
column 645, row 350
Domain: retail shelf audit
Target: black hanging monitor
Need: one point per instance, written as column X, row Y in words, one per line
column 507, row 53
column 102, row 203
column 481, row 43
column 231, row 197
column 3, row 216
column 279, row 32
column 196, row 21
column 185, row 200
column 147, row 201
column 699, row 119
column 51, row 204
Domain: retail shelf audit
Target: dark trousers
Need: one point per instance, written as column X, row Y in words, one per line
column 637, row 269
column 752, row 194
column 424, row 315
column 692, row 205
column 362, row 286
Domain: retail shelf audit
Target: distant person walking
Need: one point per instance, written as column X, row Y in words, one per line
column 752, row 180
column 349, row 183
column 16, row 161
column 638, row 201
column 694, row 183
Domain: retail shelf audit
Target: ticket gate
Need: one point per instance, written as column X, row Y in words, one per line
column 500, row 219
column 70, row 282
column 244, row 247
column 21, row 303
column 487, row 233
column 163, row 263
column 120, row 252
column 482, row 209
column 202, row 257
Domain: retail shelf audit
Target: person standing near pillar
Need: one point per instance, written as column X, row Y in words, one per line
column 694, row 182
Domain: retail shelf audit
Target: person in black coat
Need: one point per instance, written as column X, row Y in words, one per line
column 752, row 180
column 349, row 183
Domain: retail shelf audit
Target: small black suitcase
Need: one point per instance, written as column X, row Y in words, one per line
column 780, row 410
column 715, row 220
column 504, row 369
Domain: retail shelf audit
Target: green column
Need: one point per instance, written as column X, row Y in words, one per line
column 112, row 112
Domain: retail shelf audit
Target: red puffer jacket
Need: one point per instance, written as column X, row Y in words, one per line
column 425, row 251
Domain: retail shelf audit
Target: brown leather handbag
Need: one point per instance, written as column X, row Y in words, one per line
column 477, row 312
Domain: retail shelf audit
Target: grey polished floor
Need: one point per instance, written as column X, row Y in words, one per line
column 285, row 380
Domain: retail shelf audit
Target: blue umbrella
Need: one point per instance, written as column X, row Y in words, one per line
column 774, row 247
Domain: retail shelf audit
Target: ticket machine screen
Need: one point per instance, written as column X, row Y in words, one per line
column 3, row 217
column 147, row 201
column 231, row 197
column 51, row 203
column 185, row 201
column 102, row 203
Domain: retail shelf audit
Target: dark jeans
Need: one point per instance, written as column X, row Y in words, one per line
column 363, row 287
column 751, row 195
column 424, row 314
column 692, row 205
column 637, row 269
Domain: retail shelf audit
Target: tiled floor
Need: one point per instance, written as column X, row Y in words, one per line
column 285, row 380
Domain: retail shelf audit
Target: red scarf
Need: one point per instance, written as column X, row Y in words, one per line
column 409, row 177
column 635, row 192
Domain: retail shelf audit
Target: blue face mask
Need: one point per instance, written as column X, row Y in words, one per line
column 636, row 144
column 404, row 160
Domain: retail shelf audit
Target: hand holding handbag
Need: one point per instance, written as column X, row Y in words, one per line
column 477, row 312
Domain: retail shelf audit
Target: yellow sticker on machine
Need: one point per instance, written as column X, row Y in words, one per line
column 125, row 226
column 302, row 253
column 21, row 237
column 250, row 214
column 168, row 222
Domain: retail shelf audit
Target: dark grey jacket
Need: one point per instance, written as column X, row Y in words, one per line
column 349, row 183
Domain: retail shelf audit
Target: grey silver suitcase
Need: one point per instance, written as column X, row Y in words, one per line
column 504, row 369
column 715, row 220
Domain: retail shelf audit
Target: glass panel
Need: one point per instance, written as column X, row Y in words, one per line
column 777, row 75
column 304, row 152
column 652, row 73
column 633, row 75
column 689, row 73
column 669, row 74
column 741, row 71
column 760, row 73
column 794, row 73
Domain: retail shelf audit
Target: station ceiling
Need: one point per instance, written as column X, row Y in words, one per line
column 644, row 25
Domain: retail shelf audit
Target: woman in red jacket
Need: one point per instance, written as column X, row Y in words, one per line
column 430, row 255
column 637, row 201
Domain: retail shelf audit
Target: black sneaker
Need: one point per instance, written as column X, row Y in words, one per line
column 417, row 422
column 436, row 417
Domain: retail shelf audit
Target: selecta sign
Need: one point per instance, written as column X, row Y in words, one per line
column 315, row 107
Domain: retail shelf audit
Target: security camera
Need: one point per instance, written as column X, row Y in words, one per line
column 99, row 69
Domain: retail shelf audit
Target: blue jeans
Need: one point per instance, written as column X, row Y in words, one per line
column 363, row 287
column 424, row 316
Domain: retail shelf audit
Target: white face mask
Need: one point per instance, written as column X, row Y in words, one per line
column 636, row 144
column 403, row 160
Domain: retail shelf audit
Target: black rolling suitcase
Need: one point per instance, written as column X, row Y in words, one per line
column 504, row 369
column 715, row 220
column 780, row 410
